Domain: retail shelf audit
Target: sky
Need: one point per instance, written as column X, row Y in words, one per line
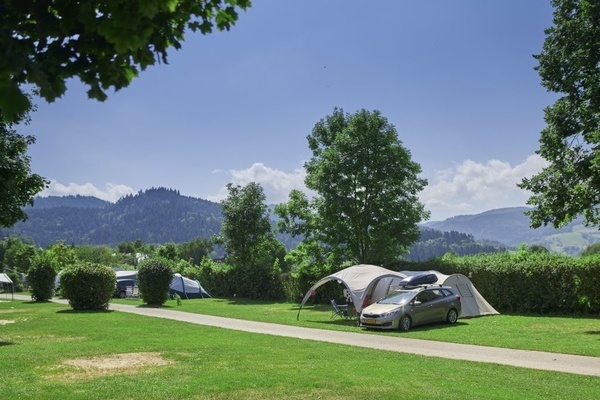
column 455, row 78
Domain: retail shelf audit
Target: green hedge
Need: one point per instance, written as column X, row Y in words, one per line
column 40, row 279
column 530, row 282
column 154, row 280
column 88, row 286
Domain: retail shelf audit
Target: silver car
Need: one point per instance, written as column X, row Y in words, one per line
column 404, row 308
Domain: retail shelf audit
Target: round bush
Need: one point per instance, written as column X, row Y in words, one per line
column 154, row 280
column 88, row 286
column 40, row 279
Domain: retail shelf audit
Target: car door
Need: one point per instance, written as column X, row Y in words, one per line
column 438, row 305
column 422, row 308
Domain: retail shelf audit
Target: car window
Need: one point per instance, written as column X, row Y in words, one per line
column 398, row 297
column 423, row 296
column 436, row 294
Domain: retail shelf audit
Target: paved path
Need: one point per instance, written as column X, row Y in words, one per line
column 518, row 358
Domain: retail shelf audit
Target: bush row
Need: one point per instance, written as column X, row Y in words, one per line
column 521, row 282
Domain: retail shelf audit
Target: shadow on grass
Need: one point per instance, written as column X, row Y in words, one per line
column 2, row 343
column 71, row 311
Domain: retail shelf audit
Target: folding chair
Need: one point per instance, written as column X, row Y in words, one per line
column 340, row 310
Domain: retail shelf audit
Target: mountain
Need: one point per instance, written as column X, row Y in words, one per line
column 161, row 215
column 157, row 216
column 510, row 226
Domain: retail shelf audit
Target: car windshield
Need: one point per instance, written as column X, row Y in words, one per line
column 398, row 297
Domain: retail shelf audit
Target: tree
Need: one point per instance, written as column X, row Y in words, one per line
column 18, row 255
column 366, row 208
column 568, row 65
column 18, row 185
column 245, row 222
column 103, row 43
column 195, row 250
column 252, row 250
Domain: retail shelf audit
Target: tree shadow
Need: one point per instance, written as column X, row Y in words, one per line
column 71, row 311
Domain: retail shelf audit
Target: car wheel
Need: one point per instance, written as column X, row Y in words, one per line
column 122, row 294
column 452, row 316
column 405, row 323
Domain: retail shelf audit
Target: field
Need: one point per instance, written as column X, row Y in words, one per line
column 49, row 352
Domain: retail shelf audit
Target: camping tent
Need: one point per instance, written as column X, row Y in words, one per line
column 361, row 281
column 472, row 302
column 187, row 288
column 5, row 280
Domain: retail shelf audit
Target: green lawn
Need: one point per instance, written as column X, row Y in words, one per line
column 44, row 349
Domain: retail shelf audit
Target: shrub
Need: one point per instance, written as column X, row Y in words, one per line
column 17, row 279
column 40, row 279
column 154, row 280
column 88, row 286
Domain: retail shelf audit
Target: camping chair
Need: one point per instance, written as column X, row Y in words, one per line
column 132, row 292
column 341, row 310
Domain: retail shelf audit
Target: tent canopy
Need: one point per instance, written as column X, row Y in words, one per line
column 5, row 279
column 472, row 302
column 367, row 283
column 360, row 280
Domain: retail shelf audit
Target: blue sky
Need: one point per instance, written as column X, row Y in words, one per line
column 456, row 79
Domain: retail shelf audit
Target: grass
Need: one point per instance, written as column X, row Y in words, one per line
column 557, row 334
column 39, row 340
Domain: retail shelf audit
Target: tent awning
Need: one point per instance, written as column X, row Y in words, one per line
column 358, row 279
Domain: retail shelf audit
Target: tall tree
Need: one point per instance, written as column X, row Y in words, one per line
column 104, row 43
column 18, row 185
column 366, row 207
column 245, row 222
column 253, row 251
column 569, row 65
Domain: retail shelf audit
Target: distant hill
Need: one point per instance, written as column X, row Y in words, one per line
column 161, row 215
column 510, row 226
column 155, row 216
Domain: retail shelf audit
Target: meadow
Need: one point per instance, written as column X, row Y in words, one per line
column 48, row 351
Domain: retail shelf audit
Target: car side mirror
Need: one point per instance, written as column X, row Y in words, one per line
column 417, row 303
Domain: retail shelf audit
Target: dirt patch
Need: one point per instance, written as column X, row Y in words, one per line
column 125, row 363
column 119, row 361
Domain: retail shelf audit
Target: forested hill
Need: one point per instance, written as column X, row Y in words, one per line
column 162, row 215
column 154, row 216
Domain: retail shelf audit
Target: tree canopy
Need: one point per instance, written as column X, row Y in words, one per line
column 568, row 65
column 18, row 185
column 366, row 206
column 104, row 43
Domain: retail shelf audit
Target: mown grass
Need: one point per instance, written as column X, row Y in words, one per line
column 558, row 334
column 36, row 340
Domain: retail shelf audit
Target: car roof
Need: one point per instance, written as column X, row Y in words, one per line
column 419, row 288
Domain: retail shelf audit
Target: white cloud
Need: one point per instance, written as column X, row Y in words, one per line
column 111, row 192
column 472, row 187
column 276, row 184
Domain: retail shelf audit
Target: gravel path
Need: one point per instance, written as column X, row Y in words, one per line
column 518, row 358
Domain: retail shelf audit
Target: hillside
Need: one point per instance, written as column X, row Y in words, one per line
column 154, row 216
column 160, row 215
column 510, row 226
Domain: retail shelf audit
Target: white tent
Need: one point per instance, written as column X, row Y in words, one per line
column 472, row 302
column 187, row 288
column 5, row 279
column 360, row 280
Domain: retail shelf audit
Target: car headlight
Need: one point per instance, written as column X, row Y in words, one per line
column 390, row 313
